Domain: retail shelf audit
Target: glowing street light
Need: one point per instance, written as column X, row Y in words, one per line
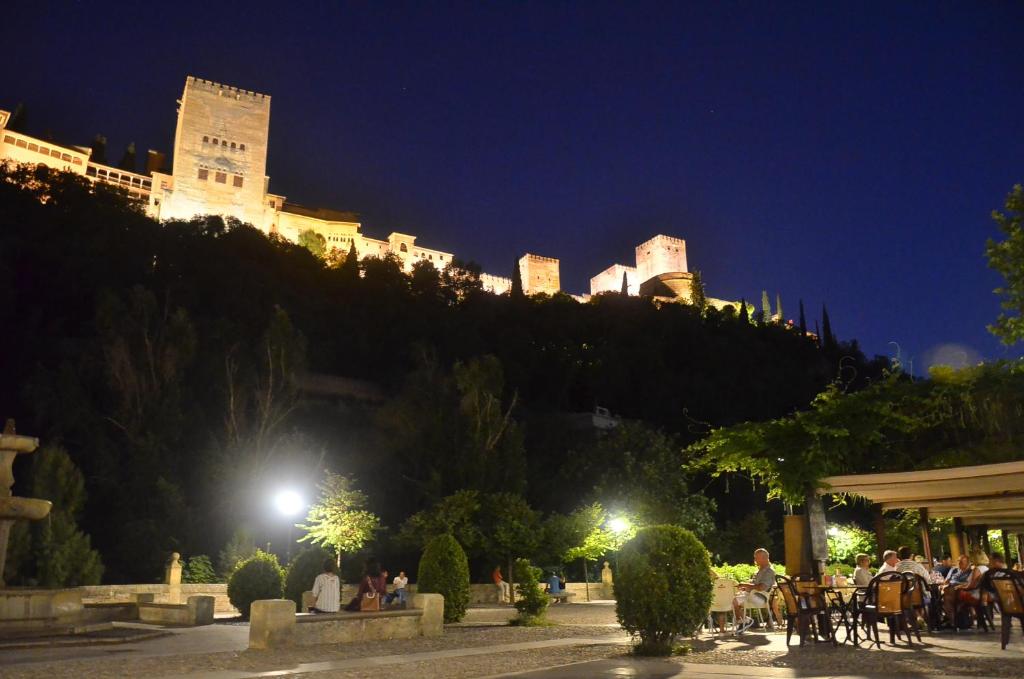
column 289, row 503
column 618, row 525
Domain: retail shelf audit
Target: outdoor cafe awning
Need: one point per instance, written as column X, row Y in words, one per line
column 983, row 495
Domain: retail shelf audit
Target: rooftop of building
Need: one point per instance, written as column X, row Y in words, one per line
column 322, row 213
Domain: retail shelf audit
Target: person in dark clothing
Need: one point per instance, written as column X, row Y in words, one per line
column 370, row 583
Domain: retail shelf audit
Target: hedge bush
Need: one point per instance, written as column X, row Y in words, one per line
column 531, row 602
column 258, row 577
column 444, row 569
column 662, row 588
column 302, row 571
column 199, row 570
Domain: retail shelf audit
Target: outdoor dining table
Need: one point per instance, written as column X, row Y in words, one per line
column 842, row 611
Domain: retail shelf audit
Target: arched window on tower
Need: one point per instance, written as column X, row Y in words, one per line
column 403, row 248
column 215, row 140
column 232, row 146
column 241, row 147
column 206, row 139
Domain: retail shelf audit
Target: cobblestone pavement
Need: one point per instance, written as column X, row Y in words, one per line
column 582, row 637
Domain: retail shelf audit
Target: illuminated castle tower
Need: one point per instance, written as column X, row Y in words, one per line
column 220, row 156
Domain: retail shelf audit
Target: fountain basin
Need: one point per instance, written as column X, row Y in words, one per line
column 16, row 508
column 28, row 608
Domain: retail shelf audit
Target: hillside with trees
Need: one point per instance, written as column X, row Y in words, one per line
column 168, row 361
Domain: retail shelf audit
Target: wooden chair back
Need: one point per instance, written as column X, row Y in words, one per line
column 1009, row 589
column 808, row 590
column 886, row 592
column 789, row 595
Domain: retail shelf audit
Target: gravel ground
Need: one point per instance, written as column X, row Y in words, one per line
column 118, row 666
column 825, row 659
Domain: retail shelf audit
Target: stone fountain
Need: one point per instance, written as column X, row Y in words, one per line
column 22, row 608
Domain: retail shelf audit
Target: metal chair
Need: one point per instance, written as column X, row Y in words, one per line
column 801, row 611
column 887, row 593
column 1008, row 589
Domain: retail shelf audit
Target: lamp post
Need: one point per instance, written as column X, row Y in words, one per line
column 289, row 503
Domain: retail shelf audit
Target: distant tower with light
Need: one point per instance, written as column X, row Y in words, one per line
column 220, row 156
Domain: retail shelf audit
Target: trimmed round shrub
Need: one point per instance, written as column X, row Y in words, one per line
column 258, row 577
column 531, row 602
column 199, row 570
column 662, row 587
column 444, row 570
column 302, row 571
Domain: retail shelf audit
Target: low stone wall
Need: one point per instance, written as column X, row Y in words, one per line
column 162, row 594
column 22, row 607
column 273, row 623
column 198, row 611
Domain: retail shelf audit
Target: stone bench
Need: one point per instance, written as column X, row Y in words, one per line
column 562, row 597
column 273, row 623
column 198, row 611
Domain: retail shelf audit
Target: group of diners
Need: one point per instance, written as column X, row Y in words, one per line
column 372, row 594
column 961, row 592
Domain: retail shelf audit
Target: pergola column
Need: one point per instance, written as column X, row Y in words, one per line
column 879, row 523
column 958, row 535
column 926, row 541
column 1006, row 545
column 819, row 540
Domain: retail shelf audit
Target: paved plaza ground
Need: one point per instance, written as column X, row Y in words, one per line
column 584, row 642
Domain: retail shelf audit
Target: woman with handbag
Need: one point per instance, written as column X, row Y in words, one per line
column 368, row 596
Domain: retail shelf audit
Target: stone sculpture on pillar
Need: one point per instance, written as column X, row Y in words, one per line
column 14, row 508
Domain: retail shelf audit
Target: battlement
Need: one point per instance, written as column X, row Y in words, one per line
column 192, row 82
column 539, row 258
column 661, row 238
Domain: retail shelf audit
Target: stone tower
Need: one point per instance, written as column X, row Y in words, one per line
column 539, row 274
column 659, row 255
column 220, row 154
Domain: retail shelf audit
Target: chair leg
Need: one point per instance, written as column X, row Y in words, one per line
column 1004, row 633
column 789, row 629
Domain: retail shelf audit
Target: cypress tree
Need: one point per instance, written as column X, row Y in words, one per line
column 743, row 310
column 803, row 320
column 625, row 286
column 778, row 308
column 766, row 307
column 128, row 159
column 517, row 282
column 99, row 149
column 350, row 267
column 698, row 296
column 827, row 338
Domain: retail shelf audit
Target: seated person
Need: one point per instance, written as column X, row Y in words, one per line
column 862, row 573
column 554, row 584
column 945, row 566
column 327, row 589
column 907, row 564
column 968, row 593
column 400, row 582
column 959, row 573
column 755, row 593
column 889, row 560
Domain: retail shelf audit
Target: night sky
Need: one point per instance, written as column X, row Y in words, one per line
column 848, row 154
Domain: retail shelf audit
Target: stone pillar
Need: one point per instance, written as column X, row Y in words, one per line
column 432, row 605
column 172, row 578
column 200, row 610
column 271, row 623
column 926, row 541
column 793, row 527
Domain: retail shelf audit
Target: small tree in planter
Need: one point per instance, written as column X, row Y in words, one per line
column 532, row 602
column 444, row 569
column 663, row 588
column 258, row 577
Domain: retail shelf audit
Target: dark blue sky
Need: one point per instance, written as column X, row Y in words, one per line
column 848, row 154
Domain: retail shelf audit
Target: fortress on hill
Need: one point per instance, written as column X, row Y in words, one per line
column 219, row 166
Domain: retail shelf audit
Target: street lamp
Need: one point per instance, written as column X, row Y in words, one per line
column 289, row 503
column 618, row 525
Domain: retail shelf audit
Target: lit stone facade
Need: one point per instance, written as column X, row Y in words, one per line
column 220, row 167
column 539, row 274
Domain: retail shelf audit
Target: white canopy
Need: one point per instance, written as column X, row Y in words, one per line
column 983, row 495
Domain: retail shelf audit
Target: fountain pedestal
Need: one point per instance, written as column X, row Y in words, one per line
column 27, row 608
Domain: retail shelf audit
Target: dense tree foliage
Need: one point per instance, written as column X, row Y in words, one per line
column 168, row 360
column 1007, row 257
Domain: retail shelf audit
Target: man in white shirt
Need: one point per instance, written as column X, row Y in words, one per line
column 327, row 589
column 907, row 564
column 889, row 561
column 400, row 582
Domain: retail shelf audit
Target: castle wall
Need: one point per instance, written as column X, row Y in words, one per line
column 220, row 153
column 498, row 285
column 661, row 254
column 539, row 274
column 610, row 280
column 21, row 148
